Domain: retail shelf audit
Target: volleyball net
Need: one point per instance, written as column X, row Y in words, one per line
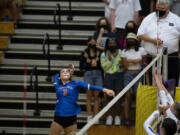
column 150, row 102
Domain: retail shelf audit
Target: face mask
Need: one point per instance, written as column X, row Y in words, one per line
column 93, row 46
column 161, row 12
column 130, row 29
column 131, row 43
column 103, row 26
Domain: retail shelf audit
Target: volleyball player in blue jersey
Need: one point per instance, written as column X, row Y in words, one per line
column 66, row 110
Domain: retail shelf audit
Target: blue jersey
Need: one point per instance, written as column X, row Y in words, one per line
column 67, row 96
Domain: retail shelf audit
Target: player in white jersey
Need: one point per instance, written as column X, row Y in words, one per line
column 173, row 111
column 168, row 126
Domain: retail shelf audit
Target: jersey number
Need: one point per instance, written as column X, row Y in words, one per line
column 64, row 91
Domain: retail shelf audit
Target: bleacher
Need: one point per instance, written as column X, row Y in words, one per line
column 24, row 45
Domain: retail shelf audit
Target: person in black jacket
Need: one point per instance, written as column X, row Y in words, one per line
column 90, row 66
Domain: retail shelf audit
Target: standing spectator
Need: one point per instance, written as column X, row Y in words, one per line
column 168, row 36
column 112, row 65
column 130, row 27
column 107, row 9
column 90, row 65
column 121, row 12
column 103, row 32
column 132, row 59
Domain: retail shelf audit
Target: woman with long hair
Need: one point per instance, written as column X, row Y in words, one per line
column 132, row 58
column 103, row 32
column 66, row 110
column 91, row 68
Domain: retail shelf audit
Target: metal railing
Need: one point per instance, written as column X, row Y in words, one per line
column 70, row 17
column 46, row 53
column 34, row 87
column 57, row 21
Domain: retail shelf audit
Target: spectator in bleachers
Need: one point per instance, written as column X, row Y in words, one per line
column 107, row 9
column 167, row 36
column 130, row 27
column 121, row 12
column 132, row 61
column 111, row 63
column 13, row 7
column 90, row 66
column 103, row 32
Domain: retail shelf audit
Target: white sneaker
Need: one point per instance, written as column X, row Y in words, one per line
column 109, row 120
column 117, row 120
column 89, row 118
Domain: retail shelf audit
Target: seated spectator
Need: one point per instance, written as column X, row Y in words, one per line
column 13, row 7
column 111, row 63
column 90, row 65
column 103, row 32
column 132, row 61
